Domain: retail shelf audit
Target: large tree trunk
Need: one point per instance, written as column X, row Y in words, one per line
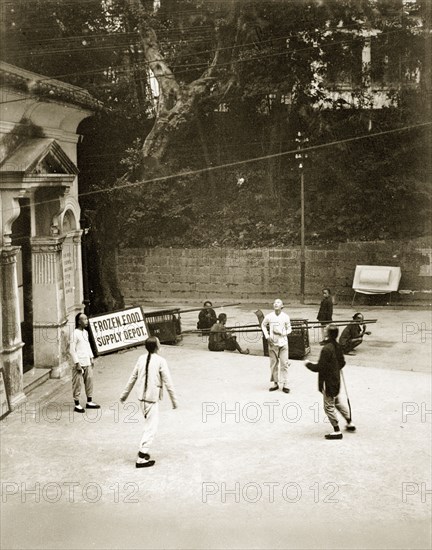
column 278, row 122
column 108, row 297
column 104, row 286
column 273, row 163
column 176, row 105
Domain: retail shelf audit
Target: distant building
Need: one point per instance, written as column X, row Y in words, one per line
column 40, row 248
column 369, row 70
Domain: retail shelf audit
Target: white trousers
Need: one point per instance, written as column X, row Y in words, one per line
column 279, row 364
column 151, row 420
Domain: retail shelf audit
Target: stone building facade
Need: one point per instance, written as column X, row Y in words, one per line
column 40, row 242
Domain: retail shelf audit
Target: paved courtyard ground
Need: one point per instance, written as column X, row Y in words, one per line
column 236, row 466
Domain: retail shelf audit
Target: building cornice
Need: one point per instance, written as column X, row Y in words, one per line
column 42, row 86
column 59, row 135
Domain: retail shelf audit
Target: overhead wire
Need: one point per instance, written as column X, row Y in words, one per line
column 172, row 31
column 243, row 162
column 264, row 157
column 189, row 66
column 175, row 40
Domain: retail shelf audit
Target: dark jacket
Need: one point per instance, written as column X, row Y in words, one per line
column 329, row 365
column 325, row 312
column 350, row 332
column 206, row 318
column 217, row 337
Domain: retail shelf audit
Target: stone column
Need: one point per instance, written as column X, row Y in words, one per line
column 50, row 327
column 72, row 273
column 79, row 290
column 11, row 327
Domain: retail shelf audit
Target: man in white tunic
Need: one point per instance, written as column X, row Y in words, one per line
column 276, row 326
column 82, row 357
column 149, row 376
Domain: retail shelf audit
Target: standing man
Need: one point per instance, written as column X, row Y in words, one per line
column 329, row 365
column 352, row 334
column 82, row 357
column 150, row 374
column 276, row 326
column 325, row 313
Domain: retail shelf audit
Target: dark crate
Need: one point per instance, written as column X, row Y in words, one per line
column 165, row 325
column 298, row 340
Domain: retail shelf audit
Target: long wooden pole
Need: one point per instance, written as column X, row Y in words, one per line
column 202, row 307
column 257, row 328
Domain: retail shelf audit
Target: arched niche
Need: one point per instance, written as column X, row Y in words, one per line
column 69, row 225
column 68, row 220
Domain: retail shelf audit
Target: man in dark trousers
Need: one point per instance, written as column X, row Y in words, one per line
column 330, row 363
column 352, row 334
column 325, row 313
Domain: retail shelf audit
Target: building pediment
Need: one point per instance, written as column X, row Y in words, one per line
column 38, row 156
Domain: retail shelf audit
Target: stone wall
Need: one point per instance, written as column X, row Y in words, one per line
column 152, row 274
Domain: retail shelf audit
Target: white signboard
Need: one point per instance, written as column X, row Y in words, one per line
column 118, row 330
column 376, row 279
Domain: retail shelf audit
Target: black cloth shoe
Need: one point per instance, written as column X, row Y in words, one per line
column 143, row 455
column 78, row 409
column 286, row 390
column 334, row 435
column 146, row 464
column 274, row 388
column 350, row 428
column 91, row 405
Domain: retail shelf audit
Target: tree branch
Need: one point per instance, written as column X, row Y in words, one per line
column 175, row 106
column 169, row 89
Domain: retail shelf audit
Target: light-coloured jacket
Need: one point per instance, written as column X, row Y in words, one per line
column 158, row 375
column 80, row 349
column 277, row 328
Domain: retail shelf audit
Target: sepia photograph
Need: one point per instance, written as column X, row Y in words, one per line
column 215, row 275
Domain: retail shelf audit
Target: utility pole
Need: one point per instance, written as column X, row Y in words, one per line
column 300, row 156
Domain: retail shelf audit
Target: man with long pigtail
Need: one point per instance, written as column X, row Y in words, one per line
column 150, row 374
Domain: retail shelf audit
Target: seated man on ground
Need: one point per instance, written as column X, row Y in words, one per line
column 352, row 335
column 220, row 339
column 206, row 317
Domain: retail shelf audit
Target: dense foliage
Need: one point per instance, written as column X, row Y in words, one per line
column 237, row 81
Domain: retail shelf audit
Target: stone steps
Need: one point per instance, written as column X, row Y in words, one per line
column 35, row 378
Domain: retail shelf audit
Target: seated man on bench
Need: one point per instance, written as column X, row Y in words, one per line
column 220, row 339
column 206, row 317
